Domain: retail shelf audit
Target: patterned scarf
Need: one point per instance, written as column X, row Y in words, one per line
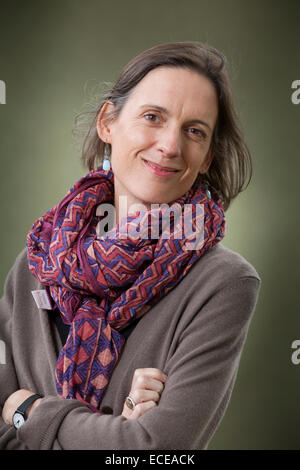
column 101, row 284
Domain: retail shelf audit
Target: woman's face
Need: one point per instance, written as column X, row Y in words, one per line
column 168, row 120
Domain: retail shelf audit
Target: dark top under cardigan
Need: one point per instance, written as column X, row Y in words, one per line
column 63, row 329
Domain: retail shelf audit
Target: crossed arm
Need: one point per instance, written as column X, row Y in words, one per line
column 146, row 389
column 201, row 373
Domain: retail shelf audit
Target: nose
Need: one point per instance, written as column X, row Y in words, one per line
column 169, row 142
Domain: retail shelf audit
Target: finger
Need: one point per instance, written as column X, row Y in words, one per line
column 141, row 409
column 150, row 372
column 143, row 382
column 127, row 412
column 140, row 395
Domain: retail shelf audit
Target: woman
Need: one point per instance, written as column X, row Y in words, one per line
column 137, row 340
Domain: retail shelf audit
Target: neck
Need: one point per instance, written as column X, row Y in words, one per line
column 126, row 203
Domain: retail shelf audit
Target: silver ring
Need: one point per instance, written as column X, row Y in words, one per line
column 130, row 402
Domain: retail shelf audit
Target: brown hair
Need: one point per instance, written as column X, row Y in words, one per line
column 231, row 161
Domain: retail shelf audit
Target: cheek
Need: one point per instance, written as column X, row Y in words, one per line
column 199, row 155
column 194, row 159
column 133, row 140
column 143, row 138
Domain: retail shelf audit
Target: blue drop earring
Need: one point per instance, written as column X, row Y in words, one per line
column 207, row 191
column 106, row 161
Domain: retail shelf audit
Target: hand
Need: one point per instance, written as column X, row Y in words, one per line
column 146, row 388
column 13, row 401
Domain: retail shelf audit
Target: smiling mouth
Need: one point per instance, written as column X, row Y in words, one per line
column 159, row 168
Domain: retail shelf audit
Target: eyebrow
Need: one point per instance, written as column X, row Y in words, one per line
column 164, row 110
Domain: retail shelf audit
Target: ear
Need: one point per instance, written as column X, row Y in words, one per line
column 104, row 122
column 206, row 164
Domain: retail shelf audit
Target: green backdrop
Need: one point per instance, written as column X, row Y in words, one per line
column 52, row 55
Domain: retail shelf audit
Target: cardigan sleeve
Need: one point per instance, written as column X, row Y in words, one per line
column 201, row 374
column 8, row 439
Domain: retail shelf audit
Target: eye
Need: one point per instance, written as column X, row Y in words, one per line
column 197, row 132
column 151, row 117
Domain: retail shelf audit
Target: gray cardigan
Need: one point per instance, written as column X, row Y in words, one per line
column 195, row 334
